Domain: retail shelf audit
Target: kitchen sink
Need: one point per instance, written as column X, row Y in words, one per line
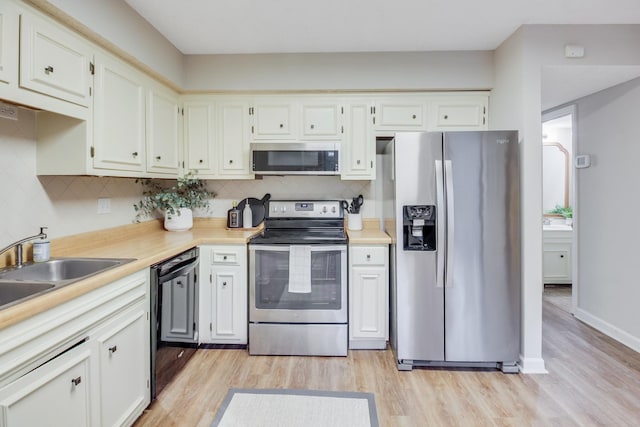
column 34, row 279
column 14, row 291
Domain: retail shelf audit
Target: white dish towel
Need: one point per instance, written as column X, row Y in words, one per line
column 300, row 269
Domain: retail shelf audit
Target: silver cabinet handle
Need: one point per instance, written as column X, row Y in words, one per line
column 448, row 177
column 440, row 225
column 76, row 381
column 48, row 69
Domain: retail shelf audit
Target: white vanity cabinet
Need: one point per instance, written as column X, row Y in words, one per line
column 368, row 296
column 223, row 294
column 84, row 362
column 556, row 255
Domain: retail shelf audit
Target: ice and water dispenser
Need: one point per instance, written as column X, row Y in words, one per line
column 419, row 227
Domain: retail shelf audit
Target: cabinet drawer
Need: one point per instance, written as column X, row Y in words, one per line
column 369, row 255
column 226, row 256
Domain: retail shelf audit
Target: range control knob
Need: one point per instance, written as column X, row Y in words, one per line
column 324, row 209
column 333, row 209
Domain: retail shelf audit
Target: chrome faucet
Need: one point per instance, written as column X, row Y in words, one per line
column 19, row 243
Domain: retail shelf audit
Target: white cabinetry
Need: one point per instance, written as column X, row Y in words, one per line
column 274, row 119
column 119, row 116
column 458, row 112
column 8, row 47
column 556, row 256
column 401, row 114
column 223, row 294
column 368, row 296
column 54, row 61
column 54, row 394
column 321, row 119
column 163, row 131
column 359, row 146
column 199, row 138
column 233, row 139
column 84, row 362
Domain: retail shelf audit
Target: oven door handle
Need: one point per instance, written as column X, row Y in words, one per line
column 181, row 269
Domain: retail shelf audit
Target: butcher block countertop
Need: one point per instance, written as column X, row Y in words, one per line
column 148, row 243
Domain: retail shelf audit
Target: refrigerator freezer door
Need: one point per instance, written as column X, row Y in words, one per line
column 482, row 297
column 417, row 301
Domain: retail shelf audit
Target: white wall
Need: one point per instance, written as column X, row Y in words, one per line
column 519, row 63
column 340, row 71
column 608, row 234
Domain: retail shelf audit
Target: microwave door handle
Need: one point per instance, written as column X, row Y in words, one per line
column 448, row 177
column 440, row 230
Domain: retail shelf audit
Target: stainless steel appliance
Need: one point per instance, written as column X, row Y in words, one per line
column 298, row 280
column 174, row 316
column 452, row 202
column 299, row 158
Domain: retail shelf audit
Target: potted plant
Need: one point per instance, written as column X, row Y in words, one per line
column 566, row 212
column 176, row 201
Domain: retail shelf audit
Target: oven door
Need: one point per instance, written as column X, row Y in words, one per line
column 275, row 298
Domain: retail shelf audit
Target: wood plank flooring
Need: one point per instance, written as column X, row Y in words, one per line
column 592, row 381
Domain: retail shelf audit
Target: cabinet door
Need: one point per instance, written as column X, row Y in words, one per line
column 368, row 303
column 359, row 146
column 233, row 139
column 321, row 120
column 163, row 132
column 199, row 137
column 228, row 322
column 8, row 43
column 119, row 116
column 124, row 367
column 54, row 394
column 401, row 115
column 274, row 120
column 459, row 113
column 556, row 260
column 54, row 61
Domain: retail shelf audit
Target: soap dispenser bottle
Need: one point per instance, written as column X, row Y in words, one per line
column 247, row 215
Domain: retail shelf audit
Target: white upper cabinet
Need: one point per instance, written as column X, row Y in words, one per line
column 199, row 138
column 321, row 119
column 401, row 114
column 459, row 112
column 163, row 132
column 233, row 139
column 358, row 150
column 274, row 119
column 119, row 116
column 54, row 61
column 8, row 47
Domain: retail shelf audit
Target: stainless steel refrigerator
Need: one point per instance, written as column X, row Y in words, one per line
column 451, row 201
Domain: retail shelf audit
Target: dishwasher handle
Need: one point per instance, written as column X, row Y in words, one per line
column 183, row 268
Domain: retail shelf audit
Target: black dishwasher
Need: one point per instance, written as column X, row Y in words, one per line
column 174, row 316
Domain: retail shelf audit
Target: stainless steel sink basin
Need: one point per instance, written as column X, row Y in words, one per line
column 14, row 291
column 61, row 269
column 34, row 279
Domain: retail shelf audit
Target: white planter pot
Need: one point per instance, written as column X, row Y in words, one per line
column 180, row 221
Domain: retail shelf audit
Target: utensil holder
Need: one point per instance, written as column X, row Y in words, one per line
column 354, row 221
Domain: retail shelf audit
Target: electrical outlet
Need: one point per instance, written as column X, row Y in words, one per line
column 8, row 111
column 104, row 205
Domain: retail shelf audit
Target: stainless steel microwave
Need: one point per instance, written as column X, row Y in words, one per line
column 296, row 158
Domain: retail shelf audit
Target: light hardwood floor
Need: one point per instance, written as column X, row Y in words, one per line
column 592, row 380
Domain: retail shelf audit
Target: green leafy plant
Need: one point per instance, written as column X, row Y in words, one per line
column 188, row 192
column 566, row 212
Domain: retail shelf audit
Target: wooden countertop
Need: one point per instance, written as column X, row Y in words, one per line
column 148, row 243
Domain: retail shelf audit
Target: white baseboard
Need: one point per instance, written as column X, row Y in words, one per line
column 532, row 365
column 608, row 329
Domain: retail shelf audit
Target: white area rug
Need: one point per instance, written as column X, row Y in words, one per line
column 289, row 408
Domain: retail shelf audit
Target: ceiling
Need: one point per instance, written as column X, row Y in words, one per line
column 296, row 26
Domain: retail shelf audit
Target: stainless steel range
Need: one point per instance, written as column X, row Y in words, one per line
column 298, row 280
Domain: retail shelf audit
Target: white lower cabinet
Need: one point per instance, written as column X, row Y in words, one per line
column 54, row 394
column 82, row 363
column 123, row 364
column 368, row 296
column 223, row 294
column 556, row 257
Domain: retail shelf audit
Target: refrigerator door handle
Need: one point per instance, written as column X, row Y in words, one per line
column 440, row 221
column 448, row 177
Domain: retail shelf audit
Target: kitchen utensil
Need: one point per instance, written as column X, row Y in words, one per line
column 356, row 204
column 257, row 209
column 345, row 206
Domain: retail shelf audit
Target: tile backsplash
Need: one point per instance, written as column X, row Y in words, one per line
column 68, row 204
